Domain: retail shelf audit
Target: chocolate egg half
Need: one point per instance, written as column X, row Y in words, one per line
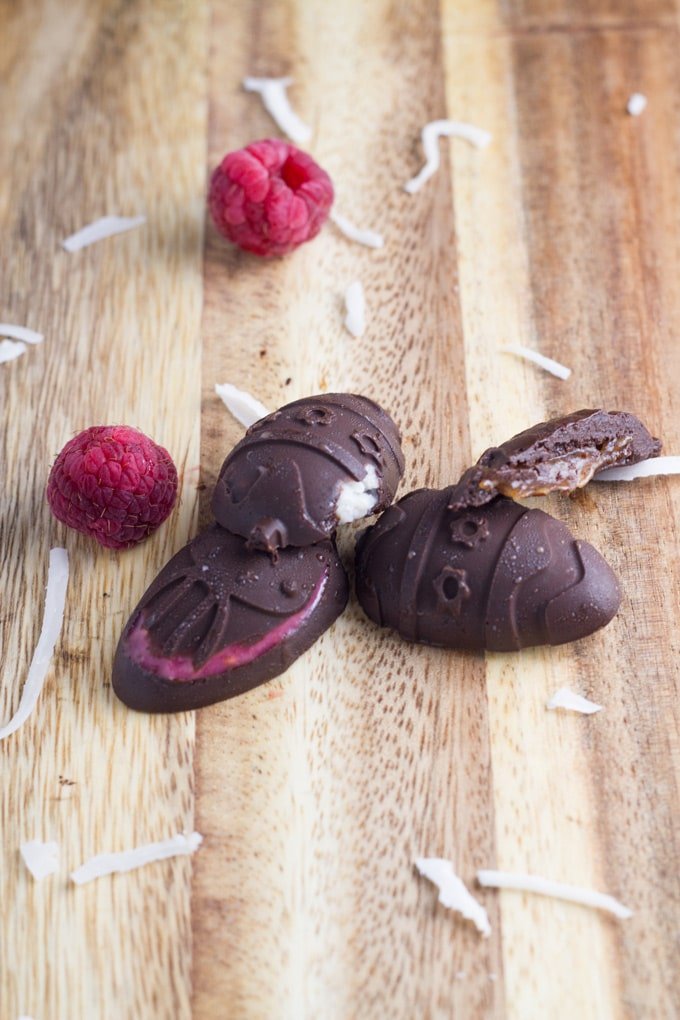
column 499, row 577
column 219, row 619
column 301, row 471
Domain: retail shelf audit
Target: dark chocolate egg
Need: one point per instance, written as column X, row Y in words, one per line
column 220, row 619
column 301, row 471
column 499, row 577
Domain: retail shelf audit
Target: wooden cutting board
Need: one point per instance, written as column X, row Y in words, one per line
column 315, row 792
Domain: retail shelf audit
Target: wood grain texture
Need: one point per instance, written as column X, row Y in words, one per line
column 92, row 132
column 316, row 791
column 312, row 908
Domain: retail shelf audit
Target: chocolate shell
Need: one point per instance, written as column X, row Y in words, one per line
column 308, row 467
column 501, row 577
column 559, row 455
column 220, row 619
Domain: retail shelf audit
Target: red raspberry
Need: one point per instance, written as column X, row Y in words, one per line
column 269, row 197
column 113, row 483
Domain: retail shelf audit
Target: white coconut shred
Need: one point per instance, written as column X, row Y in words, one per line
column 572, row 702
column 276, row 103
column 558, row 890
column 180, row 845
column 430, row 136
column 554, row 367
column 41, row 859
column 355, row 304
column 643, row 469
column 453, row 893
column 14, row 332
column 244, row 407
column 369, row 238
column 98, row 230
column 55, row 600
column 11, row 349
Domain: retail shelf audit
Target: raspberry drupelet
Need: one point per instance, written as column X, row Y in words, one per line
column 113, row 483
column 269, row 197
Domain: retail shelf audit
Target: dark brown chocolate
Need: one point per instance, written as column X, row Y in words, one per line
column 281, row 484
column 501, row 577
column 219, row 619
column 560, row 455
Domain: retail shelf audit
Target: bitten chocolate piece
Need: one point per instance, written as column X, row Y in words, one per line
column 501, row 577
column 220, row 619
column 560, row 455
column 301, row 471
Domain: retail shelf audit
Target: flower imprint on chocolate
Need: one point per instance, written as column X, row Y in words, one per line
column 315, row 416
column 468, row 530
column 452, row 590
column 369, row 445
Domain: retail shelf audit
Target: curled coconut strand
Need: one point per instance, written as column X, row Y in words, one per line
column 431, row 134
column 276, row 103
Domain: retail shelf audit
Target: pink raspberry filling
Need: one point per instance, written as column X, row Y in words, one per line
column 181, row 667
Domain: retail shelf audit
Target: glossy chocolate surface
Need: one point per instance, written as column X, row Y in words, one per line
column 560, row 455
column 501, row 577
column 280, row 485
column 219, row 619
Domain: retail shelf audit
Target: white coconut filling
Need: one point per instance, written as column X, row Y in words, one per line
column 357, row 499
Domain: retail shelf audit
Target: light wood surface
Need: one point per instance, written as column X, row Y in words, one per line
column 315, row 792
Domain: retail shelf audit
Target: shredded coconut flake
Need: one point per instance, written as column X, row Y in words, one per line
column 29, row 336
column 643, row 469
column 275, row 102
column 430, row 136
column 127, row 860
column 55, row 598
column 11, row 349
column 107, row 226
column 40, row 858
column 355, row 303
column 554, row 367
column 636, row 104
column 564, row 698
column 354, row 233
column 452, row 891
column 545, row 887
column 244, row 407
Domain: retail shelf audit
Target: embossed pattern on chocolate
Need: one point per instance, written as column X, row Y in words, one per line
column 307, row 467
column 219, row 620
column 502, row 577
